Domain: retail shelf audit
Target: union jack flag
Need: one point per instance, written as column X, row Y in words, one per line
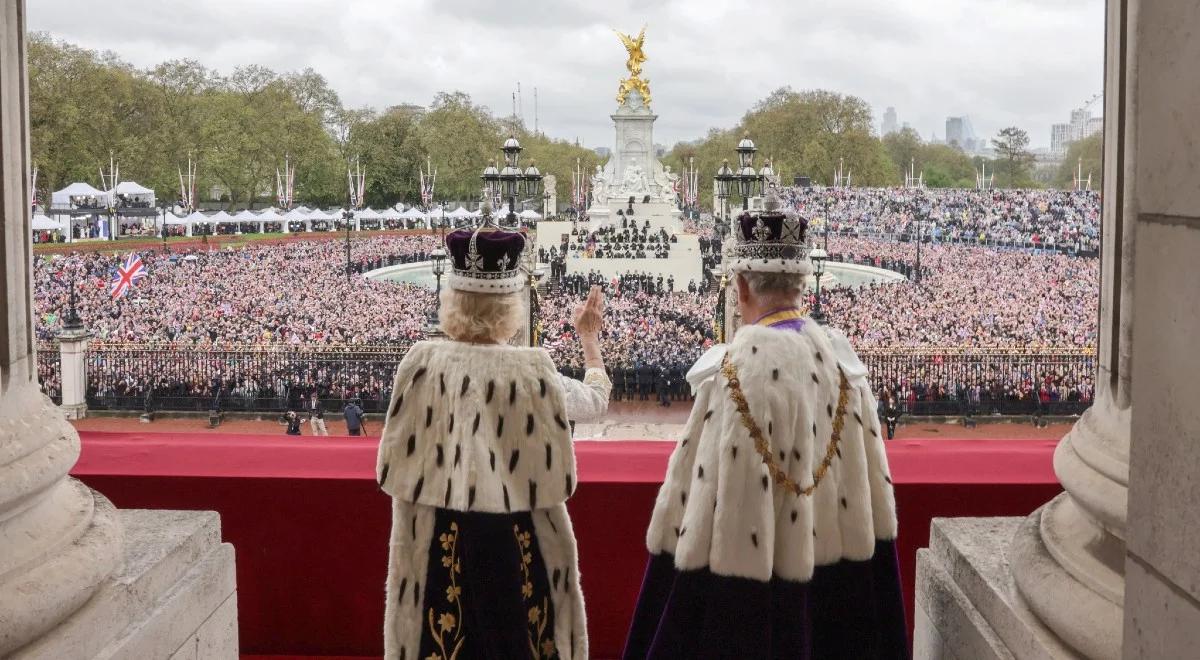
column 127, row 275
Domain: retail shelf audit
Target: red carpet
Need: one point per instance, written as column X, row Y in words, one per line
column 310, row 527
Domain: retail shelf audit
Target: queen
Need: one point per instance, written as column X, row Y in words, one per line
column 477, row 456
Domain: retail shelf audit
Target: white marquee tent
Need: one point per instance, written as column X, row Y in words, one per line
column 62, row 198
column 43, row 222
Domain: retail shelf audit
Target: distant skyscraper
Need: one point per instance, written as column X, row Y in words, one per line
column 959, row 133
column 1095, row 125
column 1060, row 138
column 889, row 121
column 1079, row 123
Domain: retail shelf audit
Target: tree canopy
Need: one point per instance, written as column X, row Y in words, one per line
column 1086, row 155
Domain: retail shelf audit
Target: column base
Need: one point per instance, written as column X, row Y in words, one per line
column 74, row 411
column 967, row 605
column 174, row 596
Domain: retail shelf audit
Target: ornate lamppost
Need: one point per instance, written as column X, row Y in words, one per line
column 164, row 208
column 437, row 260
column 511, row 180
column 724, row 179
column 747, row 179
column 818, row 257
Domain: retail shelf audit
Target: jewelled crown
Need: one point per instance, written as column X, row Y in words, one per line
column 771, row 241
column 485, row 259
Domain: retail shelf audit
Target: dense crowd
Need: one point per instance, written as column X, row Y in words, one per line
column 296, row 296
column 1053, row 219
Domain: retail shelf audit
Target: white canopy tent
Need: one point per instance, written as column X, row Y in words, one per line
column 413, row 213
column 459, row 213
column 296, row 215
column 175, row 220
column 323, row 216
column 62, row 198
column 529, row 214
column 196, row 218
column 42, row 222
column 132, row 190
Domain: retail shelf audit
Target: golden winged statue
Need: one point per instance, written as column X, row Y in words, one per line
column 636, row 56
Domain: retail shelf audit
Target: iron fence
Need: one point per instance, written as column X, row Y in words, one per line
column 49, row 371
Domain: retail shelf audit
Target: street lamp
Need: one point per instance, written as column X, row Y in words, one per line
column 70, row 319
column 818, row 257
column 746, row 176
column 724, row 179
column 438, row 259
column 920, row 230
column 164, row 226
column 511, row 180
column 347, row 216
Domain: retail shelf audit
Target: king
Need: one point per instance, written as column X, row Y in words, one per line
column 773, row 535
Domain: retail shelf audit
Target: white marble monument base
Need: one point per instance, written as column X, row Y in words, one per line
column 967, row 607
column 174, row 596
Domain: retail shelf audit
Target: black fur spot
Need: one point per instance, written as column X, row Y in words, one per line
column 442, row 383
column 858, row 418
column 682, row 531
column 829, row 409
column 707, row 415
column 559, row 420
column 414, row 527
column 417, row 376
column 770, row 428
column 550, row 520
column 396, row 406
column 529, row 424
column 465, row 384
column 754, row 539
column 383, row 475
column 532, row 494
column 814, row 428
column 500, row 426
column 753, row 350
column 513, row 459
column 555, row 577
column 475, row 425
column 457, row 455
column 549, row 451
column 683, row 497
column 412, row 444
column 417, row 491
column 451, row 430
column 416, row 594
column 782, row 455
column 403, row 588
column 542, row 385
column 470, row 497
column 795, row 454
column 766, row 482
column 492, row 459
column 569, row 485
column 887, row 479
column 733, row 451
column 843, row 503
column 875, row 432
column 441, row 457
column 403, row 653
column 449, row 487
column 839, row 451
column 700, row 472
column 506, row 506
column 684, row 443
column 819, row 358
column 774, row 374
column 676, row 532
column 815, row 379
column 814, row 533
column 491, row 390
column 512, row 392
column 428, row 416
column 794, row 515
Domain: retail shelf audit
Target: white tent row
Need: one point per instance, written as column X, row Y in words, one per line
column 62, row 198
column 43, row 222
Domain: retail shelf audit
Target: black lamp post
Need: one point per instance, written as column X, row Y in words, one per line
column 511, row 180
column 438, row 259
column 71, row 320
column 347, row 217
column 724, row 179
column 747, row 178
column 818, row 257
column 163, row 209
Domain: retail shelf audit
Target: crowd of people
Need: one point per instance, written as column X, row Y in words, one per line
column 1051, row 219
column 296, row 296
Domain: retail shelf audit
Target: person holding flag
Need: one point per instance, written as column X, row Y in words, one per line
column 128, row 273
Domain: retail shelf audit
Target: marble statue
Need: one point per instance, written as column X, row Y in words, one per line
column 635, row 180
column 599, row 187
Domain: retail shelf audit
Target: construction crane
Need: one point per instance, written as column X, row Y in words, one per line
column 1088, row 103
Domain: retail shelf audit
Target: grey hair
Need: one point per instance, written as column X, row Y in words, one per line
column 481, row 316
column 774, row 285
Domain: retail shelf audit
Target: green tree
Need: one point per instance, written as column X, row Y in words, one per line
column 1013, row 158
column 1086, row 155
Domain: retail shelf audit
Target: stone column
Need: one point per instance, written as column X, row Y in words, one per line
column 1059, row 587
column 59, row 539
column 72, row 348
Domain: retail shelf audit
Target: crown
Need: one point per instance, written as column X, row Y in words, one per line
column 485, row 259
column 771, row 241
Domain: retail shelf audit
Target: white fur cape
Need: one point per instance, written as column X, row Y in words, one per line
column 718, row 507
column 477, row 428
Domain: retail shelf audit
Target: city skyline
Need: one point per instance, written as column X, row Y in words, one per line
column 384, row 54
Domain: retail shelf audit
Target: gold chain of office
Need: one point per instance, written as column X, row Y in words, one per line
column 763, row 446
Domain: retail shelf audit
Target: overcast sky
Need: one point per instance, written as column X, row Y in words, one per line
column 1000, row 62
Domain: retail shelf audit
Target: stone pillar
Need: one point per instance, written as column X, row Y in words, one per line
column 60, row 540
column 78, row 578
column 72, row 348
column 1055, row 584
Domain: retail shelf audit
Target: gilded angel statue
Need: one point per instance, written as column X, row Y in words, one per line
column 636, row 56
